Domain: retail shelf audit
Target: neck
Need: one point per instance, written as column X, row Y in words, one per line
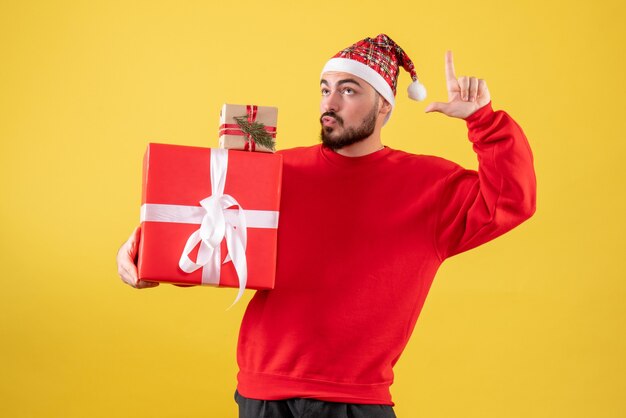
column 369, row 145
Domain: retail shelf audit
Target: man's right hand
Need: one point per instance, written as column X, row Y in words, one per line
column 126, row 267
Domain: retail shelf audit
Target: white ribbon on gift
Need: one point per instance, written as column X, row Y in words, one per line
column 217, row 222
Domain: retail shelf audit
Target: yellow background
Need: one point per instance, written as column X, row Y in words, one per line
column 530, row 325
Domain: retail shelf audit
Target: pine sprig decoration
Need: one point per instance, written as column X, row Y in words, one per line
column 257, row 132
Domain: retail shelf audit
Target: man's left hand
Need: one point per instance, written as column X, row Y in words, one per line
column 465, row 95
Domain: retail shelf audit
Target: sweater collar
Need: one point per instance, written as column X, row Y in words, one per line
column 336, row 158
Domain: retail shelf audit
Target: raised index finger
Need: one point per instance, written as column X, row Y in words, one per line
column 450, row 74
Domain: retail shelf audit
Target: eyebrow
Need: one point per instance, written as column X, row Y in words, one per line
column 340, row 82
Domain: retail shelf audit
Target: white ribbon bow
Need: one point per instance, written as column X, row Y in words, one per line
column 216, row 226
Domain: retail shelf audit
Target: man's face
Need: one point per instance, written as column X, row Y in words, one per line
column 349, row 108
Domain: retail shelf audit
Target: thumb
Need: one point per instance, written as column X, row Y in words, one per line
column 436, row 107
column 133, row 242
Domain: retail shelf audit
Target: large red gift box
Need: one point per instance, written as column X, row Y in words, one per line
column 211, row 212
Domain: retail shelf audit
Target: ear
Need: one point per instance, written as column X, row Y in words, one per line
column 385, row 106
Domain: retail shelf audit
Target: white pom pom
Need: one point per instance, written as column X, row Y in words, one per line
column 417, row 91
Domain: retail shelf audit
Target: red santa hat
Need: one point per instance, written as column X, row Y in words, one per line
column 378, row 62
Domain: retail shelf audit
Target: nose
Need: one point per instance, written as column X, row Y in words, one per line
column 330, row 102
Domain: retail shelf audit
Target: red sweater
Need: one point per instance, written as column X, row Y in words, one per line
column 359, row 243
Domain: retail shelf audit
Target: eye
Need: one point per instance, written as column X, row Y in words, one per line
column 348, row 91
column 325, row 92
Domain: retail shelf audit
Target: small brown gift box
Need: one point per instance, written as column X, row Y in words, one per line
column 231, row 134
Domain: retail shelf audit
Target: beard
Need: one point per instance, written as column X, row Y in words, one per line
column 351, row 135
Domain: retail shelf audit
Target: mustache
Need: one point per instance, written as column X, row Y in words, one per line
column 332, row 115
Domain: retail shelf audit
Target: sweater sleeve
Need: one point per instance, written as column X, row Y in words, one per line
column 476, row 207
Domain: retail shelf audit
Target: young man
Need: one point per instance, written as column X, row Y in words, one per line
column 363, row 230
